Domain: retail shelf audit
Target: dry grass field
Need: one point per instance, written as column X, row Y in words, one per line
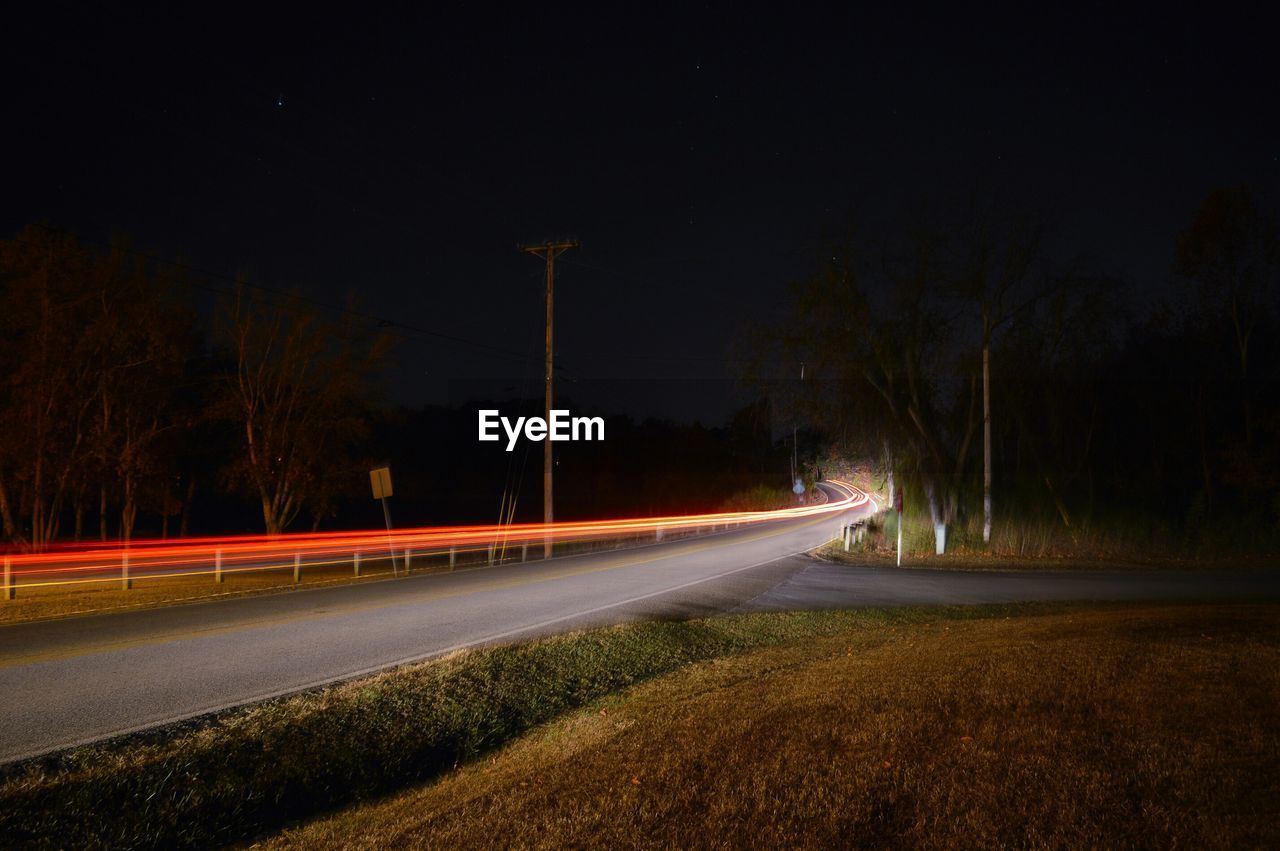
column 1156, row 727
column 1015, row 725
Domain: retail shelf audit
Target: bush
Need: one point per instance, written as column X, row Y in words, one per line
column 759, row 498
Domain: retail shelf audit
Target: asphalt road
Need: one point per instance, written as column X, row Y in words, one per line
column 77, row 680
column 816, row 584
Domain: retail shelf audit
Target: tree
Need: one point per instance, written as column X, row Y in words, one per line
column 298, row 394
column 144, row 340
column 50, row 365
column 95, row 346
column 894, row 360
column 1232, row 250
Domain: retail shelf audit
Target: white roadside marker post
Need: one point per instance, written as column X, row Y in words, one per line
column 355, row 562
column 297, row 568
column 217, row 567
column 9, row 590
column 897, row 504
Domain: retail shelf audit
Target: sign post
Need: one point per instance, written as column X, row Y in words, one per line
column 380, row 478
column 897, row 506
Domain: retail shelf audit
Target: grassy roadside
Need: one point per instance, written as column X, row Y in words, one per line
column 1137, row 727
column 254, row 771
column 1030, row 547
column 834, row 552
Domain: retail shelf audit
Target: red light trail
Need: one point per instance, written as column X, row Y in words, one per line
column 155, row 558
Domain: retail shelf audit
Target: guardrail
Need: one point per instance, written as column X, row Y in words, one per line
column 430, row 548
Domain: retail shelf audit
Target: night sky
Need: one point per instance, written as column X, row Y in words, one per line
column 703, row 155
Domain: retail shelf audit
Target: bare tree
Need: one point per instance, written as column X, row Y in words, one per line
column 45, row 411
column 145, row 340
column 1232, row 250
column 297, row 393
column 894, row 359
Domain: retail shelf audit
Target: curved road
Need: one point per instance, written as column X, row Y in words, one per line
column 77, row 680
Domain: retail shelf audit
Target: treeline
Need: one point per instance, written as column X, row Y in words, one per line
column 134, row 402
column 118, row 401
column 1163, row 419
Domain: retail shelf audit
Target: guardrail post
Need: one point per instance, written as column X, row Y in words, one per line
column 846, row 538
column 9, row 590
column 524, row 552
column 657, row 535
column 408, row 556
column 355, row 562
column 217, row 567
column 297, row 568
column 453, row 557
column 125, row 582
column 491, row 555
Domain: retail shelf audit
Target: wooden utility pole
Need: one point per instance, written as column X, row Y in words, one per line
column 986, row 428
column 548, row 251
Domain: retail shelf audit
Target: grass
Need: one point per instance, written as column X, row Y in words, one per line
column 1152, row 727
column 759, row 498
column 859, row 687
column 1037, row 544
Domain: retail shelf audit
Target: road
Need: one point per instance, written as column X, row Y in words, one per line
column 77, row 680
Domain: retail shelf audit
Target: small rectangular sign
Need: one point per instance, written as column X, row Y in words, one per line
column 381, row 479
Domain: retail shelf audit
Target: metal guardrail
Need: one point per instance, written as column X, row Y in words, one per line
column 430, row 548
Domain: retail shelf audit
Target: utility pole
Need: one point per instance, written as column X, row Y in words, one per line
column 548, row 251
column 795, row 448
column 986, row 428
column 795, row 435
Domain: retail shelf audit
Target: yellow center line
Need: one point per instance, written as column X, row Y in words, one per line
column 9, row 660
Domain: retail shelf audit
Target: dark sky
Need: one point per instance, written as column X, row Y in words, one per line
column 702, row 154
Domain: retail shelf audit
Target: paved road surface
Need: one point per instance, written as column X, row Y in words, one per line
column 77, row 680
column 816, row 584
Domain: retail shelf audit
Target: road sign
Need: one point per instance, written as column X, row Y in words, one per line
column 381, row 479
column 798, row 488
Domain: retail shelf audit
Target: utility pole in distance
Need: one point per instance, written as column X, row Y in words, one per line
column 548, row 251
